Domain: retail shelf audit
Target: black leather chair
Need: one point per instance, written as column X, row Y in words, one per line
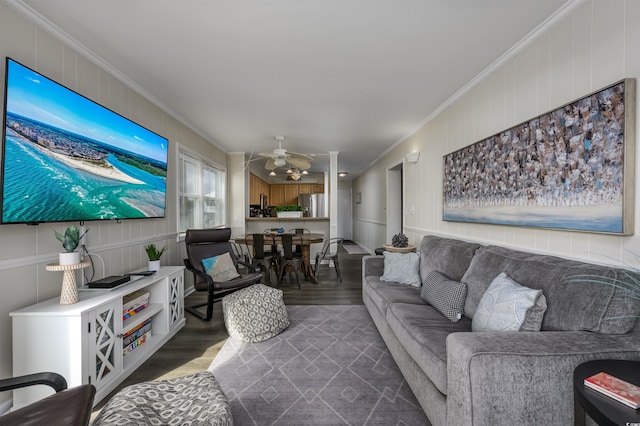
column 289, row 257
column 66, row 407
column 202, row 244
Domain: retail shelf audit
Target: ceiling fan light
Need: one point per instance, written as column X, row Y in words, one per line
column 304, row 172
column 272, row 173
column 289, row 171
column 279, row 162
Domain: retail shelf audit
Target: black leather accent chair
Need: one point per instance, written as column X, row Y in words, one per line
column 66, row 407
column 202, row 244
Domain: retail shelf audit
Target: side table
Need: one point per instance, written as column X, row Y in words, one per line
column 602, row 409
column 69, row 292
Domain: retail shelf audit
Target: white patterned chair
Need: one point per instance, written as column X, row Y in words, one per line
column 196, row 399
column 255, row 313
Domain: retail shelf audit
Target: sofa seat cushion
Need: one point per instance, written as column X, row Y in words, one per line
column 572, row 304
column 383, row 293
column 423, row 331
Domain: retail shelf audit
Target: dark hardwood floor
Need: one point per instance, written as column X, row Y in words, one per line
column 197, row 344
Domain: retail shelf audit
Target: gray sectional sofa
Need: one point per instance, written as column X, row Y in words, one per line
column 462, row 377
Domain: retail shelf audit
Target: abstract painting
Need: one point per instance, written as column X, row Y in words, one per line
column 571, row 168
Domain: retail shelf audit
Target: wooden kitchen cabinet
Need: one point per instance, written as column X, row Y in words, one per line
column 290, row 195
column 276, row 197
column 256, row 187
column 304, row 188
column 317, row 188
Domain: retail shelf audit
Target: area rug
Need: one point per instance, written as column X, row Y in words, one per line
column 355, row 249
column 330, row 367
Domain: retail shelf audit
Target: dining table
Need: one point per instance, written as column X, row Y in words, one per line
column 307, row 240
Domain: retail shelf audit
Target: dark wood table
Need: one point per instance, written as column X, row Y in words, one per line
column 602, row 409
column 307, row 240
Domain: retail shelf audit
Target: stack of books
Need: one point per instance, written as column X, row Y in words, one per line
column 624, row 392
column 133, row 303
column 136, row 337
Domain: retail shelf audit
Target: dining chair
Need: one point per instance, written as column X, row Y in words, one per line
column 299, row 231
column 329, row 252
column 262, row 259
column 289, row 258
column 273, row 251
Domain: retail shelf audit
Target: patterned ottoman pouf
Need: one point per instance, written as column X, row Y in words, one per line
column 196, row 399
column 255, row 313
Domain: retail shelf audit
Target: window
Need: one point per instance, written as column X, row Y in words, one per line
column 202, row 193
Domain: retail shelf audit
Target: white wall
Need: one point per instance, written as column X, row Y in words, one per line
column 594, row 46
column 25, row 250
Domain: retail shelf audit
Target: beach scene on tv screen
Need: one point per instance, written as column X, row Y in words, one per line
column 67, row 158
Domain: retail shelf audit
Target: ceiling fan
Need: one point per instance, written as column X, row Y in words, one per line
column 280, row 157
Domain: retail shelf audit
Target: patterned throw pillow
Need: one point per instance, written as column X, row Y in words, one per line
column 446, row 295
column 509, row 306
column 220, row 268
column 403, row 268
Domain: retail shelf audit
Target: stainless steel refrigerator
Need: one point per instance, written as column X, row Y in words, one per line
column 312, row 205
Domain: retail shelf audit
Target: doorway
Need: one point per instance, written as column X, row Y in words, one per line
column 345, row 217
column 395, row 201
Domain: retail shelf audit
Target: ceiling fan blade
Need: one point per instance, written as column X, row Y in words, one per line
column 270, row 164
column 304, row 156
column 299, row 162
column 267, row 154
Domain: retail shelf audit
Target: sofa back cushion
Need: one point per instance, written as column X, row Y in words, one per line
column 448, row 256
column 572, row 303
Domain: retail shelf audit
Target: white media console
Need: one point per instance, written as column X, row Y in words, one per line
column 84, row 342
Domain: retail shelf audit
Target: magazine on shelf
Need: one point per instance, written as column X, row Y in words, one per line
column 613, row 387
column 138, row 342
column 135, row 333
column 134, row 303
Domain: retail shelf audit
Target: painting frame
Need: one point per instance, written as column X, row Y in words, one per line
column 571, row 168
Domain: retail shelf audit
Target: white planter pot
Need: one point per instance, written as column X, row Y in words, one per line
column 154, row 265
column 72, row 258
column 289, row 214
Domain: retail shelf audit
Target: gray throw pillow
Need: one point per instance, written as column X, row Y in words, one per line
column 509, row 306
column 446, row 295
column 401, row 268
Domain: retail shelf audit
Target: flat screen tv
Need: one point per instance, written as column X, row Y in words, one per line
column 66, row 158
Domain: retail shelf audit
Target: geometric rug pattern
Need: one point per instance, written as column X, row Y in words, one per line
column 329, row 367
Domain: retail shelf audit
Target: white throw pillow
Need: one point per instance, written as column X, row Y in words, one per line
column 403, row 268
column 509, row 306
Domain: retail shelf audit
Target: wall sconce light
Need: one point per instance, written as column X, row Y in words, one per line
column 412, row 157
column 342, row 174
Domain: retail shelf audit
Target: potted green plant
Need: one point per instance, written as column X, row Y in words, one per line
column 289, row 211
column 70, row 240
column 154, row 256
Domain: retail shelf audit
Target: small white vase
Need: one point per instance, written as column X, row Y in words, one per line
column 66, row 258
column 154, row 265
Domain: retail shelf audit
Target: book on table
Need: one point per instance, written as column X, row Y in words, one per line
column 613, row 387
